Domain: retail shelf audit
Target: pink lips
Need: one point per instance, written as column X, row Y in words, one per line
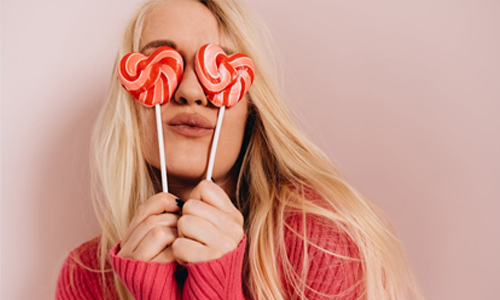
column 191, row 125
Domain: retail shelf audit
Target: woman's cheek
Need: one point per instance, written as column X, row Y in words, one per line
column 228, row 149
column 231, row 138
column 149, row 137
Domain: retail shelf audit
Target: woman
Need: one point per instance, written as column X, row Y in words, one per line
column 277, row 222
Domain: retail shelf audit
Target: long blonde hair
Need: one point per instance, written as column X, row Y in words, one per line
column 279, row 163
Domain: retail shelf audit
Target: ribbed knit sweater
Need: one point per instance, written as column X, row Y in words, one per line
column 327, row 274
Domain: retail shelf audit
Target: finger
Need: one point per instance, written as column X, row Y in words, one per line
column 156, row 204
column 199, row 230
column 165, row 220
column 189, row 251
column 211, row 193
column 154, row 242
column 165, row 256
column 218, row 218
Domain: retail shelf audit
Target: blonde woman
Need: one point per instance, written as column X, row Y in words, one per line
column 277, row 221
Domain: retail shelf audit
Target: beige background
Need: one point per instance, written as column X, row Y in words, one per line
column 403, row 95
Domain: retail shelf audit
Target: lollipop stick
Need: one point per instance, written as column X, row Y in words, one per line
column 162, row 149
column 215, row 142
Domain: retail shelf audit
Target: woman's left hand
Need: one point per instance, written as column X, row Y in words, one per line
column 210, row 225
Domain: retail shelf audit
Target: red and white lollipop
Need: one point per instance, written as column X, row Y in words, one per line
column 225, row 80
column 152, row 81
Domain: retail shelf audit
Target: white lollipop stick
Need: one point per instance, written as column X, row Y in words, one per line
column 159, row 128
column 215, row 142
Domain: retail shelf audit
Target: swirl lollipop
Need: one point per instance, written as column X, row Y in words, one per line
column 152, row 81
column 225, row 80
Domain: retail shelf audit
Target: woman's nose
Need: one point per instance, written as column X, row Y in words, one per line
column 190, row 90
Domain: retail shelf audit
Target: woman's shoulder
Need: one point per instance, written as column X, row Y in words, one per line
column 307, row 193
column 87, row 252
column 319, row 244
column 86, row 256
column 321, row 231
column 81, row 275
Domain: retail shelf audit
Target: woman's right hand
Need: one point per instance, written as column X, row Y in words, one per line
column 152, row 230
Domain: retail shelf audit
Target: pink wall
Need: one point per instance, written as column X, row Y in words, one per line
column 403, row 95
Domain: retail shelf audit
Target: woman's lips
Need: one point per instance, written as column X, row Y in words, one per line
column 191, row 125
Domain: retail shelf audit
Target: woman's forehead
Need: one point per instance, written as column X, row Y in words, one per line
column 184, row 25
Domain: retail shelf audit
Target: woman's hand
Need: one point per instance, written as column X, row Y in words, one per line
column 210, row 225
column 152, row 230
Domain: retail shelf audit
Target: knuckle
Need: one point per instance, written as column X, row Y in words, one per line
column 239, row 218
column 141, row 209
column 158, row 233
column 232, row 245
column 238, row 232
column 150, row 221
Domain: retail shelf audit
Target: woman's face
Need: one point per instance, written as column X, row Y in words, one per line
column 186, row 25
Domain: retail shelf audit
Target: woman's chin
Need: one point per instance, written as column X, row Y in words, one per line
column 189, row 176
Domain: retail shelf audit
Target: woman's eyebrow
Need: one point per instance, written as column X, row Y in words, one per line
column 158, row 43
column 227, row 50
column 171, row 44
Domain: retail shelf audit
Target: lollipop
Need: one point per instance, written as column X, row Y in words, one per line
column 225, row 80
column 152, row 81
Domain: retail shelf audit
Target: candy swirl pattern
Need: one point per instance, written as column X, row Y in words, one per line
column 225, row 79
column 151, row 79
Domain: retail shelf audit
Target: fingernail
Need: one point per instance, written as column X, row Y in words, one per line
column 213, row 180
column 179, row 202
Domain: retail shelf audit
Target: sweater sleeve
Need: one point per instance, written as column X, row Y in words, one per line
column 216, row 279
column 328, row 276
column 146, row 280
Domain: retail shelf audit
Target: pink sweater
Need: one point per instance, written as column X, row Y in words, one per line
column 220, row 278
